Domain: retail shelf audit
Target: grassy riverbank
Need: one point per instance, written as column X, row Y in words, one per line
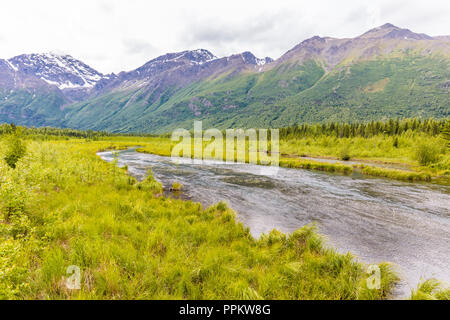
column 369, row 153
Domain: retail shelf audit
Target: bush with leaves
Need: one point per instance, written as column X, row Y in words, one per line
column 15, row 149
column 427, row 154
column 446, row 133
column 344, row 153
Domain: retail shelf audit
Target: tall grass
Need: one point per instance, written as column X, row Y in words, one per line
column 396, row 174
column 431, row 289
column 427, row 154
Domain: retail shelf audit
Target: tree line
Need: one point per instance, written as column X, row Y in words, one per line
column 390, row 127
column 49, row 131
column 62, row 132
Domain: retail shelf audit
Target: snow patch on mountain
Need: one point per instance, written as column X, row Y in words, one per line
column 250, row 58
column 11, row 66
column 63, row 71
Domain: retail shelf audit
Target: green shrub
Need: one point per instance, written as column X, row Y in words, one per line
column 446, row 134
column 395, row 144
column 427, row 154
column 15, row 150
column 344, row 154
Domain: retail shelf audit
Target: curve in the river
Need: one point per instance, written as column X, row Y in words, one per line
column 375, row 219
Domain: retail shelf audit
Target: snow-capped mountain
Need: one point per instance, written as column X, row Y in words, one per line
column 63, row 71
column 179, row 69
column 170, row 61
column 192, row 57
column 77, row 81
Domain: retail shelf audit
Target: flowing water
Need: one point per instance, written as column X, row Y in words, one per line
column 377, row 220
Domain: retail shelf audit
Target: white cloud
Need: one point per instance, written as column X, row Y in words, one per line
column 113, row 35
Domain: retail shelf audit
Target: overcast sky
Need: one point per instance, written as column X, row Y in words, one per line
column 117, row 35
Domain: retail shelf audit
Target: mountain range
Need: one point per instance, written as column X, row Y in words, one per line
column 385, row 72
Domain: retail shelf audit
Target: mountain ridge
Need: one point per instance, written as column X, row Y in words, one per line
column 176, row 88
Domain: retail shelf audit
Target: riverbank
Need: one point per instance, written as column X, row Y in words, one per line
column 387, row 169
column 408, row 157
column 365, row 168
column 63, row 206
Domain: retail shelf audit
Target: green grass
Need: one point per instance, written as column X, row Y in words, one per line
column 176, row 186
column 413, row 156
column 396, row 174
column 315, row 165
column 379, row 147
column 431, row 289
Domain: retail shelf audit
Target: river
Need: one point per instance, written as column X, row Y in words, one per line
column 407, row 224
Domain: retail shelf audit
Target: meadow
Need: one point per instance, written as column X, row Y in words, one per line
column 60, row 205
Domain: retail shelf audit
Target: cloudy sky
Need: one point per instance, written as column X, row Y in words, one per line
column 117, row 35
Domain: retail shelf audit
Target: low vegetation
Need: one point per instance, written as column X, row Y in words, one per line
column 176, row 187
column 316, row 165
column 431, row 290
column 15, row 148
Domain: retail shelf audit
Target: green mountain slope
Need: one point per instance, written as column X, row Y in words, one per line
column 31, row 107
column 409, row 86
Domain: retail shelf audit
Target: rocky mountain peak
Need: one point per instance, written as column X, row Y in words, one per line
column 195, row 56
column 169, row 61
column 388, row 26
column 63, row 71
column 199, row 56
column 389, row 31
column 250, row 58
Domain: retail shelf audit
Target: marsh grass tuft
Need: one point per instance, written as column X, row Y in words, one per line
column 176, row 187
column 344, row 153
column 431, row 289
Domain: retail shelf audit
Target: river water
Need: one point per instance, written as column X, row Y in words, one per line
column 377, row 220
